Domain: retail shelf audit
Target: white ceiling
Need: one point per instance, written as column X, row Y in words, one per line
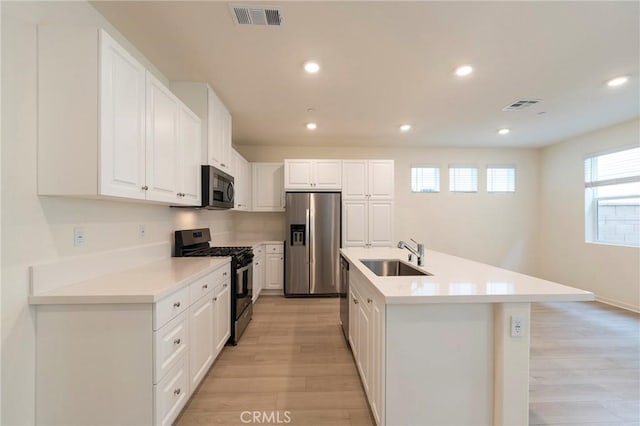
column 388, row 63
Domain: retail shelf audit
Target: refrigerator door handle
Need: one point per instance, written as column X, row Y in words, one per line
column 308, row 231
column 310, row 220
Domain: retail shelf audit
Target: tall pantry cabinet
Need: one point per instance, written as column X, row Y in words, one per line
column 367, row 203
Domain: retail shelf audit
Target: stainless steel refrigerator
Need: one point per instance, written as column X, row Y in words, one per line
column 312, row 250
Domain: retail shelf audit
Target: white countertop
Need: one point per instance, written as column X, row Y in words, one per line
column 147, row 283
column 458, row 280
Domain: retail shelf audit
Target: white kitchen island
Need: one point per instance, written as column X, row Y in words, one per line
column 440, row 349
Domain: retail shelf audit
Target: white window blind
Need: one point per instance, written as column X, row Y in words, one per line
column 612, row 197
column 463, row 179
column 425, row 179
column 501, row 179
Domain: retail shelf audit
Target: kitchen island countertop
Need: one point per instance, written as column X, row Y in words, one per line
column 458, row 280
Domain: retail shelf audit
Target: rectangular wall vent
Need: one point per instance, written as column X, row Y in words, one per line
column 256, row 15
column 521, row 104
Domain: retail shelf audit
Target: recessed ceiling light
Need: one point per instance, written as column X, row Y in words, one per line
column 312, row 126
column 464, row 70
column 311, row 67
column 618, row 81
column 503, row 131
column 405, row 127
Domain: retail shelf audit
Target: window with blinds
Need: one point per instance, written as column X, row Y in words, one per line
column 463, row 179
column 501, row 179
column 425, row 179
column 612, row 197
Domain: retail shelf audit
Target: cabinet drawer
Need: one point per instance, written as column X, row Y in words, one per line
column 258, row 250
column 170, row 343
column 275, row 248
column 169, row 307
column 202, row 287
column 171, row 393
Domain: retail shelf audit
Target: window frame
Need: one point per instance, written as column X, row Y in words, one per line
column 591, row 218
column 500, row 166
column 464, row 166
column 425, row 166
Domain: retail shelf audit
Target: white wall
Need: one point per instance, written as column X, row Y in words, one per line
column 499, row 229
column 611, row 272
column 38, row 229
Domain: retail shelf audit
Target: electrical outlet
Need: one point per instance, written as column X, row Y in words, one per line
column 517, row 326
column 142, row 231
column 79, row 237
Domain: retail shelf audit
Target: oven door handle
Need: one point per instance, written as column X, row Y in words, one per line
column 241, row 270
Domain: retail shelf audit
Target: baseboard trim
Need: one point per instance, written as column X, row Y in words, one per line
column 618, row 304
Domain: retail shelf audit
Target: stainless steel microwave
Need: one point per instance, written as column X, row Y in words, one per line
column 217, row 189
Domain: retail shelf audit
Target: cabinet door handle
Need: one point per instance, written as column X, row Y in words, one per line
column 176, row 305
column 369, row 300
column 223, row 165
column 177, row 391
column 355, row 300
column 205, row 285
column 281, row 258
column 215, row 299
column 224, row 274
column 145, row 188
column 224, row 285
column 176, row 342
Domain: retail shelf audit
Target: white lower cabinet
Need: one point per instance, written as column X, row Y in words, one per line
column 129, row 363
column 274, row 273
column 172, row 393
column 366, row 336
column 222, row 316
column 258, row 281
column 201, row 327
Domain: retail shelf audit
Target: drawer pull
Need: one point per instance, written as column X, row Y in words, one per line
column 205, row 285
column 224, row 274
column 215, row 299
column 177, row 391
column 176, row 305
column 369, row 300
column 355, row 300
column 224, row 285
column 176, row 342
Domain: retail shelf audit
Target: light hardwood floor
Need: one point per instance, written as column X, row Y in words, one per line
column 585, row 365
column 293, row 358
column 585, row 368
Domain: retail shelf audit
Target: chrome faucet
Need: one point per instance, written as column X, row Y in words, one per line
column 419, row 252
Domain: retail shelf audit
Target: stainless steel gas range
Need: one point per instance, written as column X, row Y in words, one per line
column 196, row 242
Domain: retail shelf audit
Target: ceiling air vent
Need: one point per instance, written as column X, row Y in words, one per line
column 256, row 15
column 521, row 104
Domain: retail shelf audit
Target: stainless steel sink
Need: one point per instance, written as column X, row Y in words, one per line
column 392, row 268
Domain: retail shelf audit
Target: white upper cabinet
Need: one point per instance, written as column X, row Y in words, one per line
column 107, row 127
column 368, row 179
column 303, row 175
column 122, row 121
column 216, row 122
column 219, row 133
column 268, row 192
column 190, row 157
column 162, row 142
column 242, row 184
